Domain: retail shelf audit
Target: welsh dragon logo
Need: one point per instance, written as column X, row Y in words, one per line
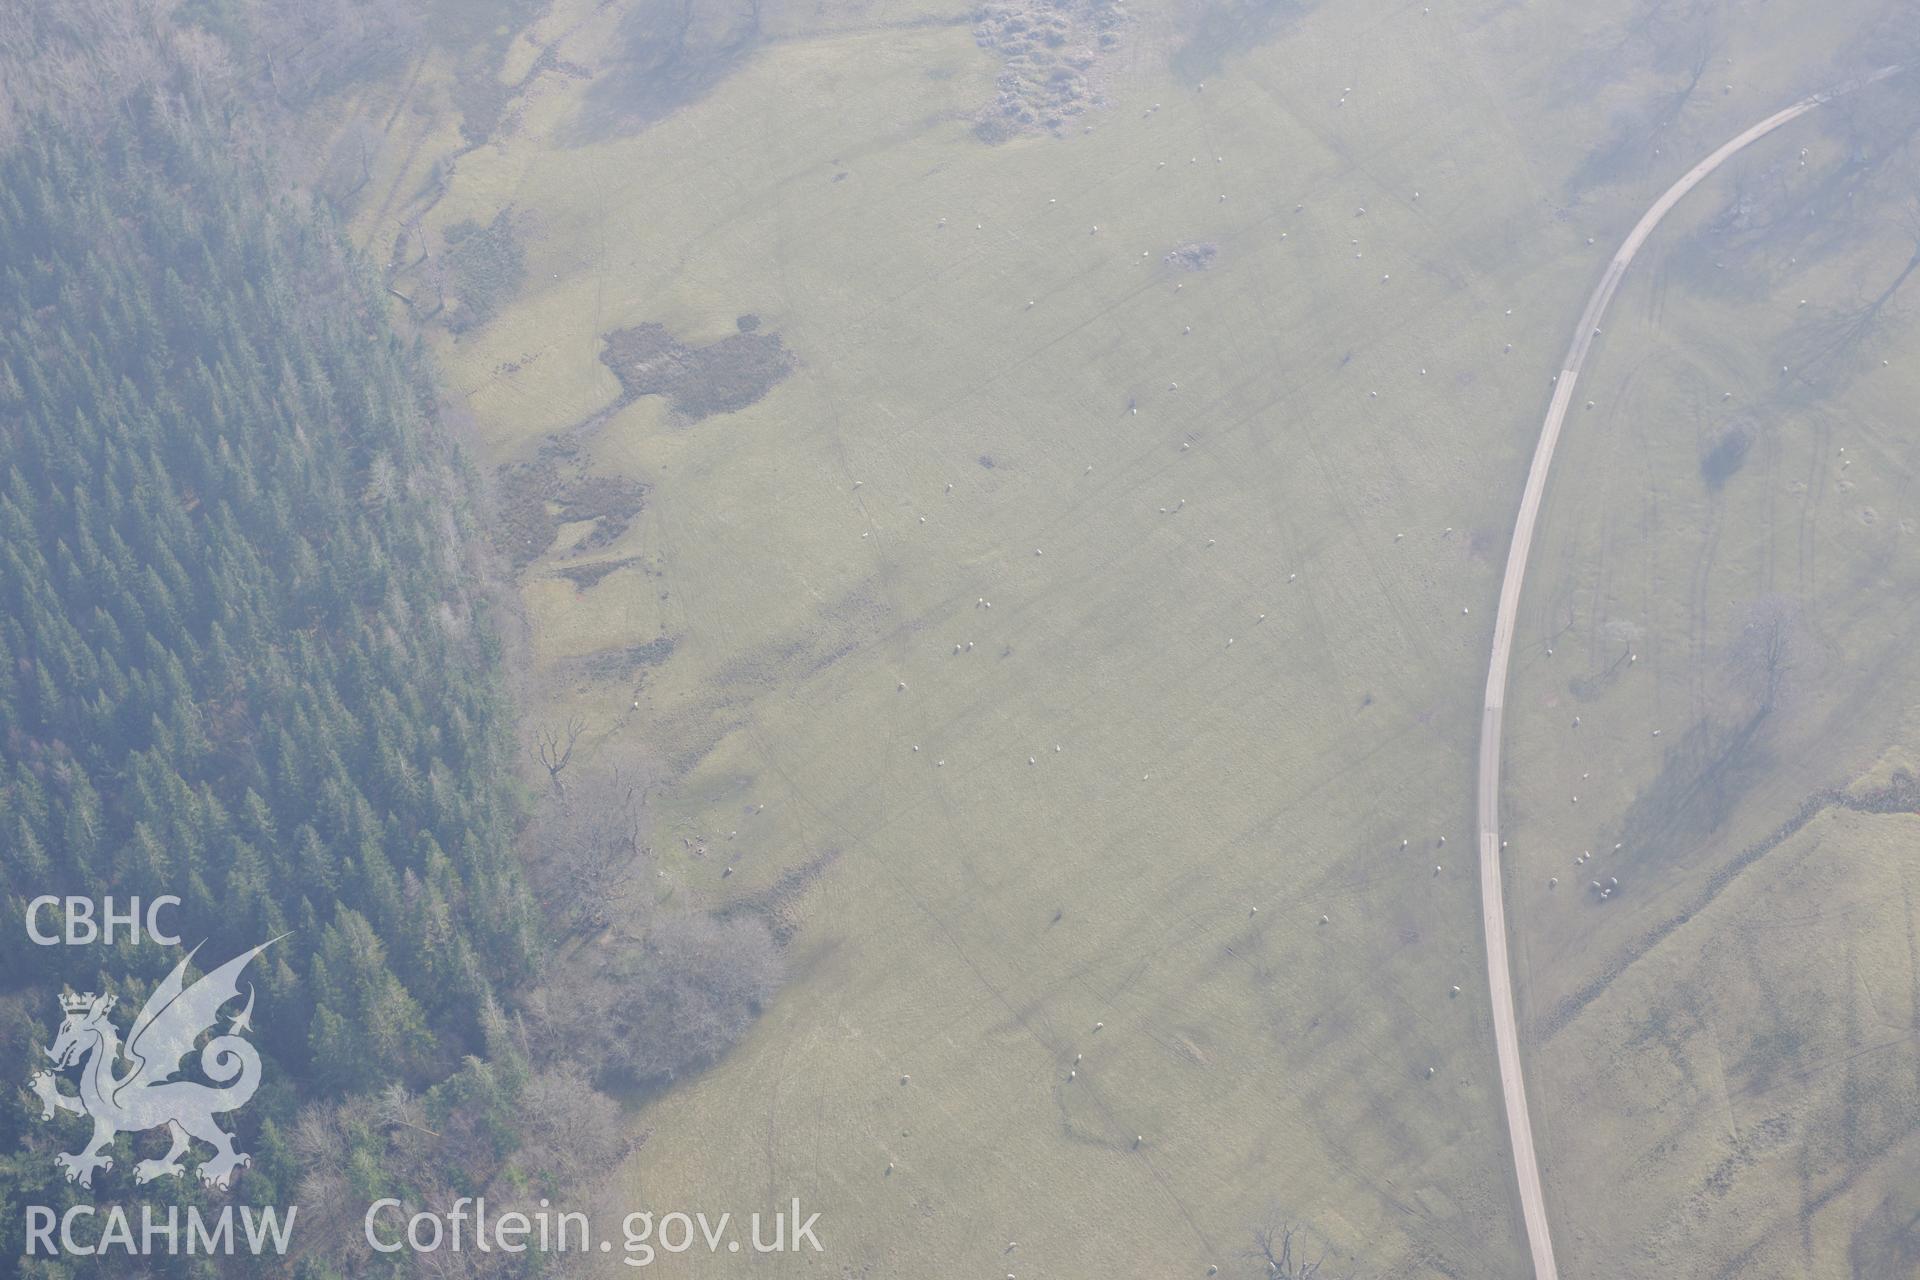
column 144, row 1095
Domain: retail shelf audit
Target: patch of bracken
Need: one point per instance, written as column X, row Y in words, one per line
column 721, row 377
column 1054, row 54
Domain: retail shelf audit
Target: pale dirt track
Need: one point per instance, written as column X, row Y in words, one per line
column 1493, row 910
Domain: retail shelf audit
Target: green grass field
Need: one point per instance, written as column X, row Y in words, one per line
column 1127, row 799
column 1727, row 1079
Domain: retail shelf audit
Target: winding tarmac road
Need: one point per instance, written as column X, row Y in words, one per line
column 1493, row 909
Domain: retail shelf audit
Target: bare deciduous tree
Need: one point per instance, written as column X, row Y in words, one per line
column 307, row 48
column 555, row 755
column 584, row 850
column 1273, row 1251
column 568, row 1125
column 349, row 163
column 84, row 59
column 670, row 1006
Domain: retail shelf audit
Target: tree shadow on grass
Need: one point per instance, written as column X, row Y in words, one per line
column 1218, row 29
column 671, row 53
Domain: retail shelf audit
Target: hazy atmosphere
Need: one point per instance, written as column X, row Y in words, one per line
column 1258, row 639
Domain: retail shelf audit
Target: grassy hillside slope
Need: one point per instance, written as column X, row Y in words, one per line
column 1105, row 938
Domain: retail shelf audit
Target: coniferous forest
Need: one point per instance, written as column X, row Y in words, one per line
column 243, row 659
column 248, row 660
column 251, row 659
